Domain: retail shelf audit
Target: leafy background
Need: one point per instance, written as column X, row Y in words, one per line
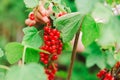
column 12, row 16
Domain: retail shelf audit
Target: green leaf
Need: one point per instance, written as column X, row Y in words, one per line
column 79, row 68
column 14, row 52
column 1, row 52
column 64, row 58
column 31, row 3
column 95, row 56
column 109, row 1
column 67, row 46
column 55, row 9
column 90, row 30
column 2, row 75
column 117, row 56
column 3, row 61
column 61, row 74
column 110, row 58
column 31, row 55
column 46, row 5
column 32, row 37
column 86, row 6
column 110, row 32
column 102, row 13
column 28, row 72
column 113, row 2
column 68, row 25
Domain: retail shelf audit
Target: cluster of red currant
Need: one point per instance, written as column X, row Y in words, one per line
column 53, row 45
column 104, row 75
column 113, row 74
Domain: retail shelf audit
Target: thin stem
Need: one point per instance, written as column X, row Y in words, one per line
column 116, row 73
column 74, row 51
column 118, row 70
column 23, row 56
column 4, row 67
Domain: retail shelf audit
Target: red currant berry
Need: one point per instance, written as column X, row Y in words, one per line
column 31, row 16
column 58, row 34
column 54, row 31
column 53, row 42
column 45, row 61
column 51, row 34
column 42, row 54
column 54, row 57
column 46, row 38
column 42, row 59
column 48, row 43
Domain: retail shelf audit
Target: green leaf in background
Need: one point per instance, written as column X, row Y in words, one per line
column 90, row 30
column 28, row 72
column 46, row 5
column 64, row 58
column 69, row 25
column 32, row 37
column 31, row 3
column 55, row 9
column 102, row 13
column 14, row 52
column 1, row 52
column 81, row 72
column 95, row 56
column 110, row 1
column 2, row 74
column 61, row 74
column 67, row 46
column 31, row 55
column 110, row 32
column 71, row 5
column 86, row 6
column 110, row 60
column 113, row 2
column 117, row 56
column 3, row 61
column 79, row 68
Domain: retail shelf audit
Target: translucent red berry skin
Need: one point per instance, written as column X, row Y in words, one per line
column 31, row 16
column 101, row 73
column 54, row 57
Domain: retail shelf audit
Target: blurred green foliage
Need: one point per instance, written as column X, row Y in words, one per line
column 12, row 16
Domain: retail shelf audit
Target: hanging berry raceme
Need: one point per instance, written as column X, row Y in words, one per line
column 104, row 75
column 112, row 74
column 101, row 73
column 53, row 45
